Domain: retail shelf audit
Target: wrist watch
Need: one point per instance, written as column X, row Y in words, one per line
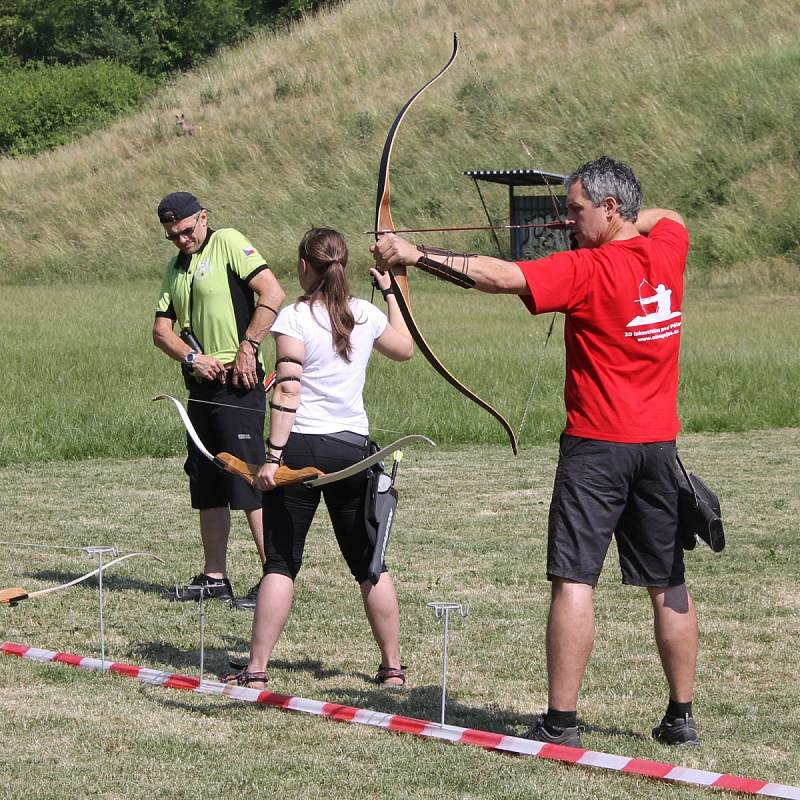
column 189, row 358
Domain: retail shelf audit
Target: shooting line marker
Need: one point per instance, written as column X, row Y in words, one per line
column 429, row 730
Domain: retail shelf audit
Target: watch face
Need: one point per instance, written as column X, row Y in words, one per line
column 190, row 358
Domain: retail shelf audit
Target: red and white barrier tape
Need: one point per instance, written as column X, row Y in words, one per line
column 418, row 727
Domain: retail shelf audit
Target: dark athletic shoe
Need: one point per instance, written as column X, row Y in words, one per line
column 680, row 731
column 570, row 737
column 248, row 602
column 218, row 588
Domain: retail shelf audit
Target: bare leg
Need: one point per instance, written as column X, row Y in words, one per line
column 215, row 527
column 254, row 520
column 272, row 610
column 570, row 636
column 383, row 613
column 675, row 625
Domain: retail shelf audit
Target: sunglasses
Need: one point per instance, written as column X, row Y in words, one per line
column 173, row 237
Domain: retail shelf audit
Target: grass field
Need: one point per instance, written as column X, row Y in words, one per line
column 471, row 529
column 702, row 99
column 81, row 369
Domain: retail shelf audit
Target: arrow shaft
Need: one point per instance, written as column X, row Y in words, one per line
column 557, row 225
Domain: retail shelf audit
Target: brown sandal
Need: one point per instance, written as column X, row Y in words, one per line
column 386, row 673
column 244, row 678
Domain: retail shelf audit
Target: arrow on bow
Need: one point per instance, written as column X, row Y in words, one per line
column 557, row 225
column 13, row 596
column 399, row 281
column 308, row 476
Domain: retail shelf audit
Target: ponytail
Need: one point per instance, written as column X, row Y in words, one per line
column 325, row 250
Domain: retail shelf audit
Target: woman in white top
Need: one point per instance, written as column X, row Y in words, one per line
column 323, row 344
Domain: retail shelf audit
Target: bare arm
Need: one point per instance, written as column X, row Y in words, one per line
column 269, row 297
column 285, row 401
column 648, row 217
column 395, row 342
column 492, row 275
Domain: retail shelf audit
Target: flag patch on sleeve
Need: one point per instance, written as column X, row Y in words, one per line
column 248, row 251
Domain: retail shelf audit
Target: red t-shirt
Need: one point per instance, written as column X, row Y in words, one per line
column 622, row 303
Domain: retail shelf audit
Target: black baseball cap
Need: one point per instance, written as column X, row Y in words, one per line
column 177, row 206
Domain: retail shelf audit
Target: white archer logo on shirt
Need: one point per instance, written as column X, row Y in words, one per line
column 655, row 308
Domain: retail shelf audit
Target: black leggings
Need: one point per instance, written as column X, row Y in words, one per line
column 289, row 511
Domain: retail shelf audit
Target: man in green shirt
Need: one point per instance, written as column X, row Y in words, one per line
column 224, row 298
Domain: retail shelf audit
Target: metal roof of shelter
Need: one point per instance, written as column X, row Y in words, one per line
column 516, row 177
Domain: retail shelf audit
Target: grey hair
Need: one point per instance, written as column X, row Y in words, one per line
column 606, row 177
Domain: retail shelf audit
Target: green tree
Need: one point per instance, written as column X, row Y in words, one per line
column 150, row 36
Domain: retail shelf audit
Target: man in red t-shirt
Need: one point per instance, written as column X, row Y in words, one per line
column 621, row 293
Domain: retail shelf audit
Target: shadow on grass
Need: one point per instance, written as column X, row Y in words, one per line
column 419, row 702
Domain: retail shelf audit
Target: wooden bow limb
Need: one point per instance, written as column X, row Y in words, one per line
column 397, row 276
column 15, row 595
column 231, row 463
column 312, row 477
column 285, row 476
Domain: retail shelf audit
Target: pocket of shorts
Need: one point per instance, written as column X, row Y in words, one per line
column 570, row 459
column 568, row 445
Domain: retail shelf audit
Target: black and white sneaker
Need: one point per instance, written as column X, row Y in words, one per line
column 248, row 601
column 218, row 588
column 570, row 737
column 678, row 730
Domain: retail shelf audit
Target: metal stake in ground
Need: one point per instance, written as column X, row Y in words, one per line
column 202, row 631
column 202, row 624
column 100, row 552
column 443, row 610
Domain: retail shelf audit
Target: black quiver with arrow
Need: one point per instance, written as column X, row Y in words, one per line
column 379, row 511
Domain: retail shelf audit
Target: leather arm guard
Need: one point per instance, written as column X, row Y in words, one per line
column 446, row 271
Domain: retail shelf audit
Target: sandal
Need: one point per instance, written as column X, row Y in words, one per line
column 387, row 673
column 244, row 678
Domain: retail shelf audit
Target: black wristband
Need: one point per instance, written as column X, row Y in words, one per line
column 285, row 409
column 387, row 292
column 253, row 342
column 269, row 308
column 270, row 459
column 271, row 446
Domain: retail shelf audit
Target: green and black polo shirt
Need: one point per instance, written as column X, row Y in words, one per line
column 208, row 291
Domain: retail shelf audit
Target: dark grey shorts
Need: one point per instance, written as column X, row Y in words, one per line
column 229, row 420
column 605, row 489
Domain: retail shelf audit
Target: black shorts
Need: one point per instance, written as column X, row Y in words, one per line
column 289, row 511
column 236, row 426
column 626, row 490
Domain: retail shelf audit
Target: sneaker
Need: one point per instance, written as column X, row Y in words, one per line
column 248, row 602
column 678, row 730
column 570, row 737
column 219, row 588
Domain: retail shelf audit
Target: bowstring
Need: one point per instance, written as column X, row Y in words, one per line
column 223, row 405
column 563, row 233
column 256, row 411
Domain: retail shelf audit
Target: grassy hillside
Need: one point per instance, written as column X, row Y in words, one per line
column 701, row 98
